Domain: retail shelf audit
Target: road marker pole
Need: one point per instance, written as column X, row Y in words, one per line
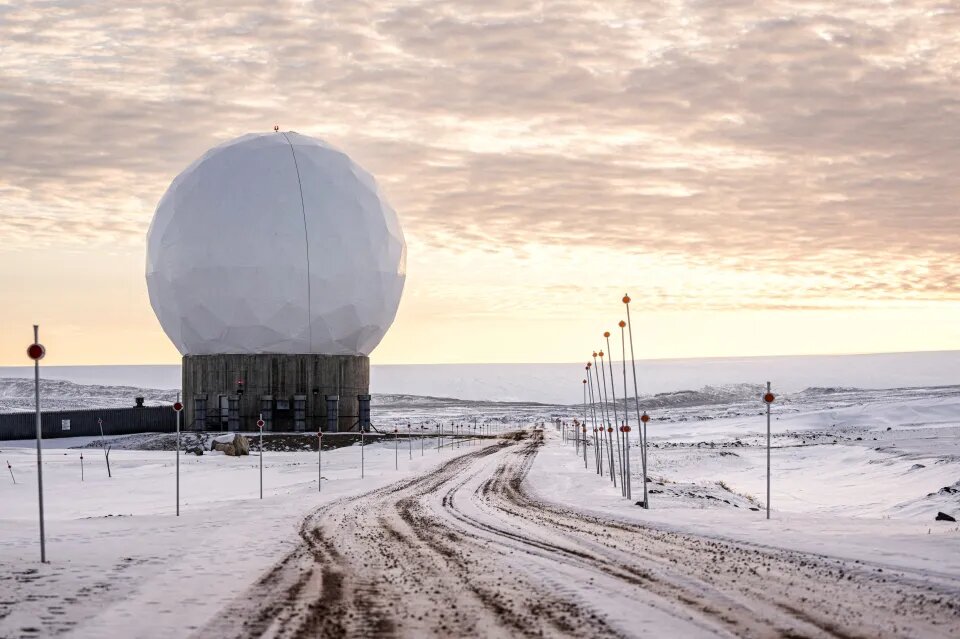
column 583, row 429
column 609, row 428
column 625, row 429
column 768, row 398
column 319, row 461
column 593, row 414
column 644, row 419
column 177, row 407
column 396, row 449
column 627, row 480
column 260, row 426
column 362, row 432
column 10, row 468
column 36, row 352
column 616, row 418
column 642, row 426
column 81, row 466
column 410, row 441
column 603, row 414
column 584, row 417
column 597, row 451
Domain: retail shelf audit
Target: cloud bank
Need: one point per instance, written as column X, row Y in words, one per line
column 806, row 151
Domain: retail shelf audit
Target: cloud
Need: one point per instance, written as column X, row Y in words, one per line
column 813, row 144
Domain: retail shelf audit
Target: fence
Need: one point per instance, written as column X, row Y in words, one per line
column 83, row 423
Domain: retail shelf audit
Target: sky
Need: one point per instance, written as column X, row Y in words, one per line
column 761, row 177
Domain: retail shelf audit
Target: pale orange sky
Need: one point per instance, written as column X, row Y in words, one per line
column 773, row 179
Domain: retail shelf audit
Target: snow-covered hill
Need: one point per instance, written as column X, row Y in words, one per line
column 17, row 394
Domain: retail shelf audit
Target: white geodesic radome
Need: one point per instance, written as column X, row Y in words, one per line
column 275, row 243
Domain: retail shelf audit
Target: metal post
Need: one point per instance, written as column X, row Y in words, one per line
column 81, row 466
column 439, row 437
column 616, row 418
column 320, row 461
column 603, row 415
column 10, row 468
column 396, row 449
column 584, row 412
column 36, row 396
column 362, row 432
column 583, row 429
column 593, row 416
column 613, row 470
column 768, row 451
column 178, row 457
column 261, row 457
column 627, row 479
column 641, row 427
column 626, row 453
column 409, row 441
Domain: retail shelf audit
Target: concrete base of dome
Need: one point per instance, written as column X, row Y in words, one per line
column 292, row 392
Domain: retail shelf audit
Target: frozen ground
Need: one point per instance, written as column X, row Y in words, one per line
column 123, row 565
column 512, row 538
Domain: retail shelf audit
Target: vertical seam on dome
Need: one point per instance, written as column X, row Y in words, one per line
column 306, row 240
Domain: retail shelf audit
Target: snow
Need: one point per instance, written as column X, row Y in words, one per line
column 17, row 394
column 924, row 546
column 857, row 474
column 121, row 556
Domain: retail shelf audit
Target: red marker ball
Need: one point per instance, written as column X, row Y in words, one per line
column 36, row 352
column 768, row 398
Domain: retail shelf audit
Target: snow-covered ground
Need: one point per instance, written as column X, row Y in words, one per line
column 931, row 548
column 119, row 557
column 857, row 474
column 843, row 452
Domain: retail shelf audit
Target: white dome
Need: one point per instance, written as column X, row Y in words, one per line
column 275, row 243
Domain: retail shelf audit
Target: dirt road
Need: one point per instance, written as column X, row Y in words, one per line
column 464, row 551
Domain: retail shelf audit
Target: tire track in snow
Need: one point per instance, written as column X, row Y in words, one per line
column 798, row 594
column 464, row 551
